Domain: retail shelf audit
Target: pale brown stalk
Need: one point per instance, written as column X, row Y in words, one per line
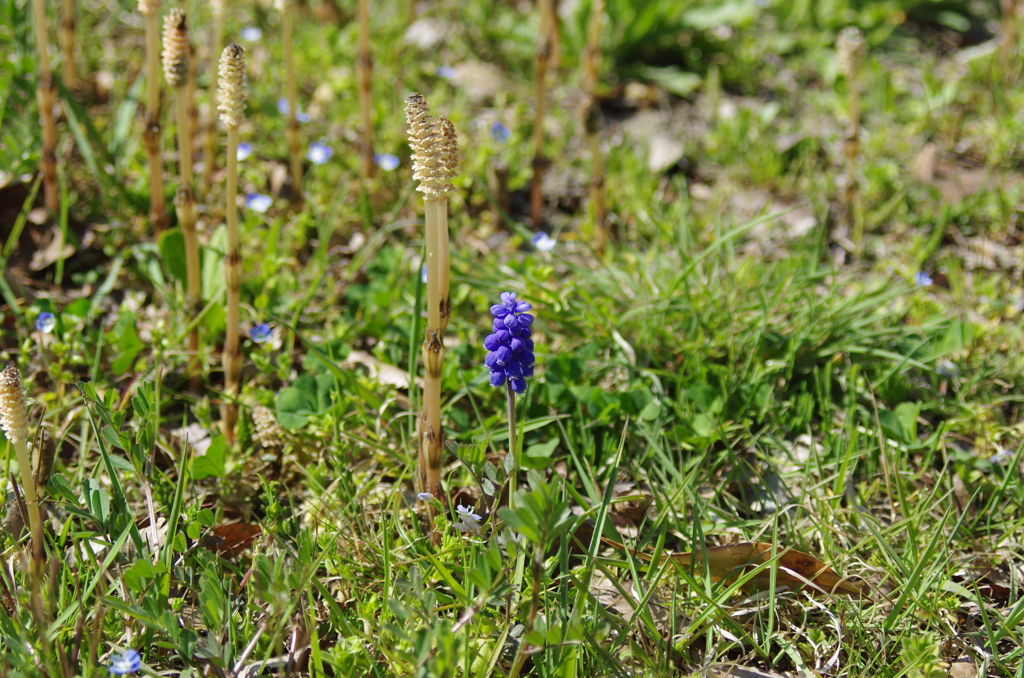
column 592, row 125
column 1008, row 11
column 158, row 217
column 851, row 48
column 46, row 96
column 176, row 71
column 232, row 93
column 543, row 60
column 364, row 78
column 428, row 169
column 210, row 152
column 448, row 155
column 291, row 88
column 67, row 43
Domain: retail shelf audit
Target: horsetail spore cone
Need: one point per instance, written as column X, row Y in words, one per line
column 448, row 161
column 232, row 91
column 14, row 421
column 176, row 70
column 150, row 9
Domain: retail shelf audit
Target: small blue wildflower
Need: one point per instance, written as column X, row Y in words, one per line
column 122, row 664
column 1001, row 457
column 499, row 132
column 445, row 71
column 386, row 161
column 251, row 34
column 543, row 242
column 467, row 512
column 260, row 333
column 510, row 347
column 258, row 202
column 319, row 153
column 424, row 496
column 283, row 108
column 244, row 151
column 423, row 274
column 922, row 279
column 46, row 322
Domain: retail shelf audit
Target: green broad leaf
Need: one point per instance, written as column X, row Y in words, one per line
column 671, row 79
column 172, row 252
column 112, row 438
column 138, row 575
column 542, row 450
column 308, row 396
column 212, row 462
column 96, row 500
column 121, row 464
column 60, row 487
column 212, row 266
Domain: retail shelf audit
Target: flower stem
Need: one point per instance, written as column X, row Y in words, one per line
column 512, row 444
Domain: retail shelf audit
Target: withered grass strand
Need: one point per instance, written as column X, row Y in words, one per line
column 67, row 43
column 430, row 173
column 592, row 125
column 364, row 79
column 158, row 217
column 231, row 97
column 210, row 152
column 542, row 61
column 291, row 92
column 46, row 96
column 175, row 56
column 14, row 421
column 851, row 49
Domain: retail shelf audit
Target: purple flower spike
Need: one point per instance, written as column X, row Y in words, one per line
column 510, row 349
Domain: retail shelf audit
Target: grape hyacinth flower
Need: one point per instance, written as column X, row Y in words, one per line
column 126, row 663
column 46, row 322
column 510, row 348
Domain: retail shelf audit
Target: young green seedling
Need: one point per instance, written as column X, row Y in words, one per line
column 158, row 218
column 46, row 95
column 231, row 95
column 176, row 71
